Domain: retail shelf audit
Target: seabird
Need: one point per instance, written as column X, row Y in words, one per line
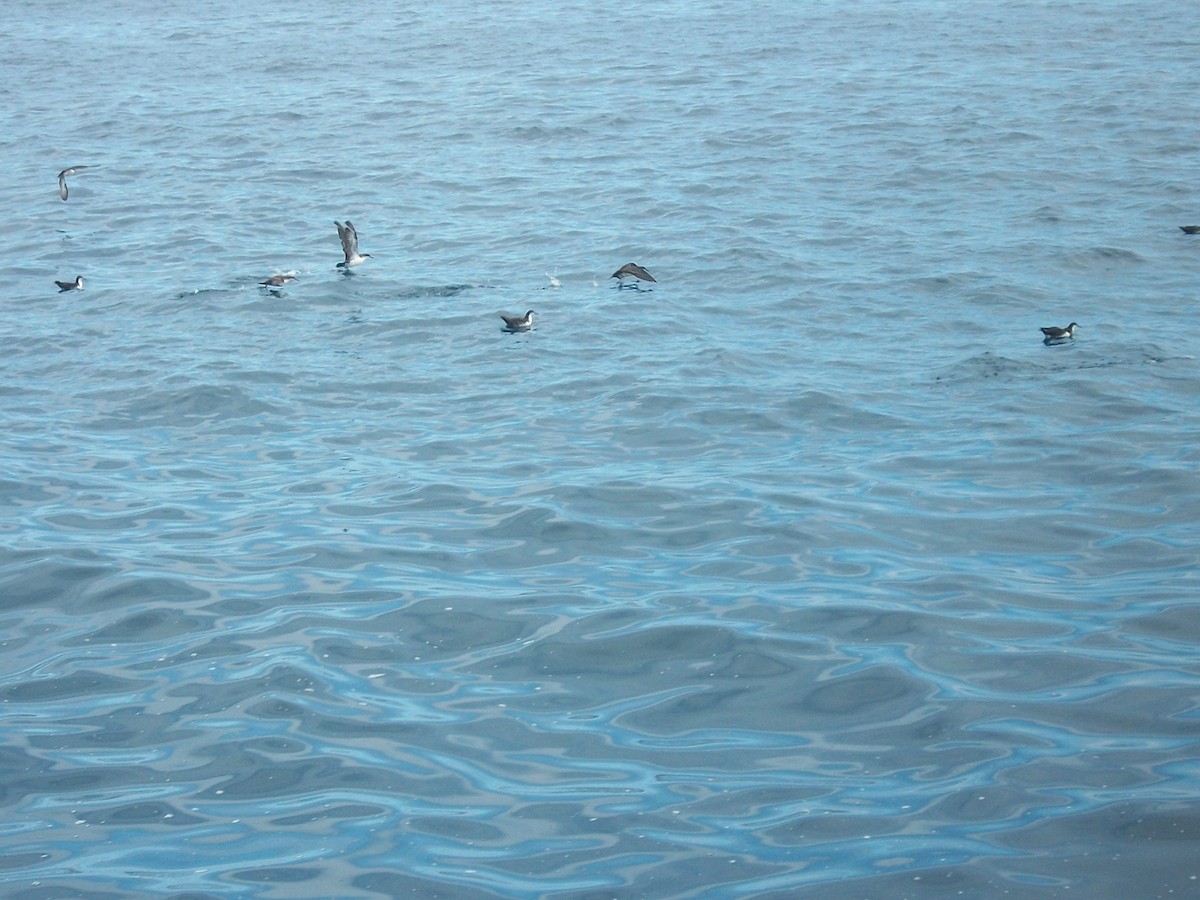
column 62, row 179
column 1190, row 229
column 631, row 270
column 76, row 285
column 1059, row 334
column 518, row 323
column 277, row 280
column 349, row 245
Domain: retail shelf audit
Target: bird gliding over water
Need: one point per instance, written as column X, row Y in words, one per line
column 62, row 178
column 631, row 270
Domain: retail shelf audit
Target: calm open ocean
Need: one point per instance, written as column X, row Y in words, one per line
column 807, row 570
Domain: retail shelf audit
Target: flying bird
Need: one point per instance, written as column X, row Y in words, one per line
column 278, row 280
column 64, row 174
column 350, row 245
column 76, row 285
column 518, row 323
column 1054, row 334
column 631, row 270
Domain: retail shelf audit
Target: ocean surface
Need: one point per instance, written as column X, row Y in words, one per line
column 805, row 570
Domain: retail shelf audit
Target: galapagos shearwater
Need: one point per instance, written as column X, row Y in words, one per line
column 350, row 245
column 64, row 174
column 1053, row 333
column 631, row 270
column 76, row 285
column 518, row 323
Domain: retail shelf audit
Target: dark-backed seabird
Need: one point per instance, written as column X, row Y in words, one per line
column 278, row 280
column 631, row 270
column 1054, row 334
column 62, row 178
column 1190, row 229
column 76, row 285
column 518, row 323
column 350, row 245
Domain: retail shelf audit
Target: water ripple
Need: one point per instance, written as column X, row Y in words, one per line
column 807, row 569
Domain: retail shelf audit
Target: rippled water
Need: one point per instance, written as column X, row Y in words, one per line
column 807, row 569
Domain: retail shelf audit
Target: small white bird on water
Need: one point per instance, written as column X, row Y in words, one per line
column 350, row 245
column 76, row 285
column 518, row 323
column 64, row 174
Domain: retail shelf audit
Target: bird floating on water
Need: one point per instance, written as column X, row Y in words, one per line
column 1190, row 229
column 631, row 270
column 1054, row 334
column 350, row 245
column 278, row 280
column 64, row 174
column 76, row 285
column 518, row 323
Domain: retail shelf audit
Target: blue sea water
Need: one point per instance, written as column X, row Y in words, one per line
column 807, row 570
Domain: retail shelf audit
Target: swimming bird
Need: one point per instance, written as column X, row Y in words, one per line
column 1190, row 229
column 518, row 323
column 349, row 245
column 76, row 285
column 62, row 178
column 1059, row 334
column 278, row 280
column 631, row 270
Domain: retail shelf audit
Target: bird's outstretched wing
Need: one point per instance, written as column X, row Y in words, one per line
column 62, row 178
column 349, row 239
